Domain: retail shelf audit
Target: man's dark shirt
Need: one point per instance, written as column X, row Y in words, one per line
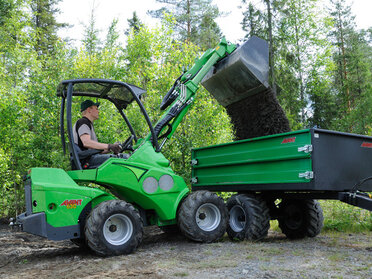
column 81, row 127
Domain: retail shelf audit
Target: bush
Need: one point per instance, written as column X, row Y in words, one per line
column 342, row 217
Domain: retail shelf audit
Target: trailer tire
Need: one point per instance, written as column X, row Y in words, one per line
column 300, row 218
column 249, row 217
column 202, row 217
column 113, row 228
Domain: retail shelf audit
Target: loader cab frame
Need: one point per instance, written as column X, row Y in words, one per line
column 121, row 94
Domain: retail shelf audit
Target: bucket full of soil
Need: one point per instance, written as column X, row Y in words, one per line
column 240, row 83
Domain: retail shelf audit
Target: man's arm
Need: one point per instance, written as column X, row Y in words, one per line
column 88, row 143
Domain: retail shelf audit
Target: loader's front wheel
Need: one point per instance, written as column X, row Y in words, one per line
column 300, row 218
column 249, row 217
column 203, row 217
column 113, row 228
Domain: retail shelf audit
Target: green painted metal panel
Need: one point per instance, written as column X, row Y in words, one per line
column 271, row 159
column 57, row 194
column 127, row 177
column 83, row 175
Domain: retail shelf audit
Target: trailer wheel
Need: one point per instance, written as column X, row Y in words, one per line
column 203, row 217
column 300, row 218
column 113, row 228
column 249, row 217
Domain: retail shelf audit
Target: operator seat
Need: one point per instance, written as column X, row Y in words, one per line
column 84, row 156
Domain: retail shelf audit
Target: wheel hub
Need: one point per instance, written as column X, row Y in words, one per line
column 237, row 218
column 208, row 217
column 112, row 228
column 202, row 216
column 118, row 229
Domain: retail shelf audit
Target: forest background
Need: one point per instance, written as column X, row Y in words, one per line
column 320, row 69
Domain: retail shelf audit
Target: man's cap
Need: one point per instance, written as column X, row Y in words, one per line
column 86, row 104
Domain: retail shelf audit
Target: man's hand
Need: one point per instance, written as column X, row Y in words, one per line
column 116, row 148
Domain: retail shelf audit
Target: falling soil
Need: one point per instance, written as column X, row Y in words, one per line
column 258, row 115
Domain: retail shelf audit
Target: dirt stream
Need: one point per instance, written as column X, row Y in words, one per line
column 330, row 255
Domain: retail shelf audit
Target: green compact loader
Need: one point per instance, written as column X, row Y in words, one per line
column 144, row 190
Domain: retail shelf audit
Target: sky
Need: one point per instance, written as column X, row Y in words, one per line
column 77, row 13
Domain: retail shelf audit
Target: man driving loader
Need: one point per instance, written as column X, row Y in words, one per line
column 85, row 137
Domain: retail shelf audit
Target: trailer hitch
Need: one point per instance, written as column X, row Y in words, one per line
column 359, row 199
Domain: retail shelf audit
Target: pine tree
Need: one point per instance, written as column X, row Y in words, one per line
column 352, row 76
column 45, row 25
column 112, row 35
column 134, row 23
column 91, row 41
column 343, row 25
column 254, row 23
column 195, row 20
column 207, row 34
column 5, row 9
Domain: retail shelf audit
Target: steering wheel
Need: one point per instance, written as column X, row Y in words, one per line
column 127, row 144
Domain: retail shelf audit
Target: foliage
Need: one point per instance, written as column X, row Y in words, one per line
column 134, row 24
column 194, row 20
column 45, row 25
column 345, row 218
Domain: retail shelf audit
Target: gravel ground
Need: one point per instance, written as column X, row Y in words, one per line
column 329, row 255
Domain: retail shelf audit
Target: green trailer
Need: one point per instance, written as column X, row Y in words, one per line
column 281, row 176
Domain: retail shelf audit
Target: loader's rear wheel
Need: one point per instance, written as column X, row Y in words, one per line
column 300, row 218
column 203, row 217
column 114, row 228
column 249, row 217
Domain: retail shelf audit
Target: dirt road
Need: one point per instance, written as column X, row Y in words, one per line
column 336, row 255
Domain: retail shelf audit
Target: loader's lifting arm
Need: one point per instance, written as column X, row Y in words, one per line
column 181, row 95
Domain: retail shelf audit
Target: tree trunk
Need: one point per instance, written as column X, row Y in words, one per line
column 188, row 20
column 271, row 54
column 342, row 46
column 299, row 65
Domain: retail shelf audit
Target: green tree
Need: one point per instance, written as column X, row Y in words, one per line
column 253, row 21
column 16, row 55
column 321, row 96
column 5, row 10
column 195, row 20
column 45, row 25
column 352, row 75
column 134, row 23
column 112, row 36
column 91, row 40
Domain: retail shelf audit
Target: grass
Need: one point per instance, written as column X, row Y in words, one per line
column 342, row 217
column 181, row 274
column 336, row 257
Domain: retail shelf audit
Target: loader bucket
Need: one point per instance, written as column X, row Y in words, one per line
column 240, row 83
column 242, row 74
